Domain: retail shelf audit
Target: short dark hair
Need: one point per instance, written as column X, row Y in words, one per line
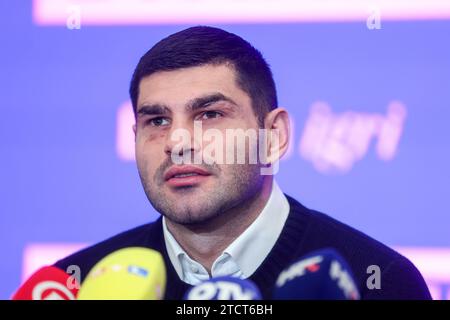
column 203, row 45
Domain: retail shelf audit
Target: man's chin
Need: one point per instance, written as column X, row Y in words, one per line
column 191, row 212
column 190, row 220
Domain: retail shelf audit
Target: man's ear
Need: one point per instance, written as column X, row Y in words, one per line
column 134, row 130
column 277, row 125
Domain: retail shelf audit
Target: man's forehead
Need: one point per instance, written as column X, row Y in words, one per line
column 179, row 87
column 205, row 75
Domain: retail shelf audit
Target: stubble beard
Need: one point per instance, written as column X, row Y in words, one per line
column 234, row 186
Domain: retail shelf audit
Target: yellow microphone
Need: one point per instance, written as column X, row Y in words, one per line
column 133, row 273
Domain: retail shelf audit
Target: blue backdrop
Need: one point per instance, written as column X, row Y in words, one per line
column 63, row 182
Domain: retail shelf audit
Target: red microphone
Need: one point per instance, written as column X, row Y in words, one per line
column 48, row 283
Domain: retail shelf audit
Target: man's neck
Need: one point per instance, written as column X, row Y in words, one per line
column 205, row 243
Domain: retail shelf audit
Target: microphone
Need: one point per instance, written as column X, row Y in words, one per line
column 321, row 275
column 224, row 288
column 132, row 273
column 48, row 283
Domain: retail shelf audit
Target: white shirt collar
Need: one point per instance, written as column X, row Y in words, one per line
column 245, row 254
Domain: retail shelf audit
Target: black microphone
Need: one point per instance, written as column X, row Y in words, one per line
column 321, row 275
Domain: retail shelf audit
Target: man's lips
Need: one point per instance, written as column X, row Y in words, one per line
column 185, row 175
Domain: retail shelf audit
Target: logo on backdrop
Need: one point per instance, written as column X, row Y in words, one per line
column 334, row 142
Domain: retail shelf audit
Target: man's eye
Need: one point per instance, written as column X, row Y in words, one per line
column 210, row 115
column 158, row 122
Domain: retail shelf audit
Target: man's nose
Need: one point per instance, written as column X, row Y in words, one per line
column 181, row 140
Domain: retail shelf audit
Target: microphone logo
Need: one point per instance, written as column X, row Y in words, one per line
column 51, row 290
column 299, row 269
column 344, row 280
column 223, row 290
column 138, row 271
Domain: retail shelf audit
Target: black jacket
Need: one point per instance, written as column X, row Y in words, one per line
column 305, row 231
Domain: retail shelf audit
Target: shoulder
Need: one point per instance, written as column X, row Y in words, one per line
column 323, row 230
column 148, row 235
column 400, row 279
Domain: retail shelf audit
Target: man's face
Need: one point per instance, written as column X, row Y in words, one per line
column 171, row 101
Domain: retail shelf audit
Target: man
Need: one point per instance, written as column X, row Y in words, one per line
column 228, row 217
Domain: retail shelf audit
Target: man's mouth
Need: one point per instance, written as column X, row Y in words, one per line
column 182, row 176
column 185, row 175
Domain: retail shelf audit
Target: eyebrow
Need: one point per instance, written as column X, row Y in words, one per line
column 194, row 104
column 205, row 101
column 153, row 109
